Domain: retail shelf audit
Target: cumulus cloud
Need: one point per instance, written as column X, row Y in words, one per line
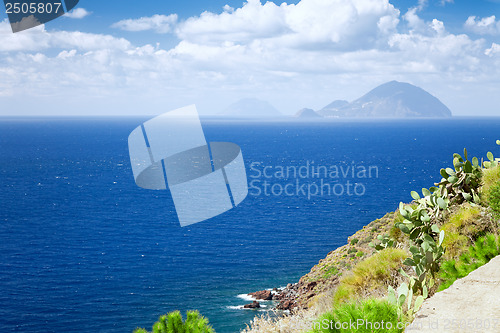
column 484, row 26
column 493, row 50
column 37, row 39
column 157, row 23
column 339, row 24
column 77, row 13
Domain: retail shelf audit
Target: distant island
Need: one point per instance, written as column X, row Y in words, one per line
column 251, row 108
column 390, row 100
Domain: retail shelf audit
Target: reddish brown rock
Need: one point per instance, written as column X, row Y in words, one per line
column 265, row 295
column 286, row 305
column 253, row 305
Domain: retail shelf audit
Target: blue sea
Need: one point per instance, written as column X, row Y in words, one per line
column 83, row 249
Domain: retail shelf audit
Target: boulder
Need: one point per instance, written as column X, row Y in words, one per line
column 265, row 295
column 253, row 305
column 286, row 305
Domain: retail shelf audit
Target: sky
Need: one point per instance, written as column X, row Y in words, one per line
column 147, row 57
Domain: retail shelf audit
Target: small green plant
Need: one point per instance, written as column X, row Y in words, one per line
column 354, row 241
column 385, row 241
column 329, row 271
column 172, row 323
column 485, row 249
column 406, row 301
column 352, row 250
column 492, row 161
column 366, row 315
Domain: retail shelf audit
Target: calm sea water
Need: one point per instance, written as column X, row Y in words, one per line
column 83, row 249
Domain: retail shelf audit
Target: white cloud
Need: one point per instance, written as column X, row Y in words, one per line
column 36, row 39
column 484, row 26
column 414, row 21
column 493, row 50
column 66, row 54
column 343, row 24
column 77, row 13
column 157, row 23
column 421, row 4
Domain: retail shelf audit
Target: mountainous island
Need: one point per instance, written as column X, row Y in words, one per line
column 390, row 100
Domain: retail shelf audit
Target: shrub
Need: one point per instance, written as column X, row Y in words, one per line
column 462, row 228
column 370, row 274
column 354, row 241
column 371, row 312
column 494, row 199
column 172, row 323
column 485, row 249
column 490, row 178
column 490, row 190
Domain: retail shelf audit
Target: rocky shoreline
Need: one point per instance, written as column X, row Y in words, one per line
column 326, row 275
column 286, row 297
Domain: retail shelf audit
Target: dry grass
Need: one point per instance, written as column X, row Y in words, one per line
column 490, row 178
column 371, row 277
column 463, row 227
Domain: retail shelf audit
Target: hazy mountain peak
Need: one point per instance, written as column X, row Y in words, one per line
column 251, row 108
column 392, row 100
column 306, row 113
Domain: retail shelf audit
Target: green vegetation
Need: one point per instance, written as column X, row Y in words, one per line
column 462, row 183
column 329, row 271
column 370, row 274
column 484, row 249
column 172, row 323
column 421, row 223
column 490, row 190
column 462, row 228
column 494, row 199
column 490, row 178
column 369, row 314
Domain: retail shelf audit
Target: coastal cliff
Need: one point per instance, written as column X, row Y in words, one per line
column 394, row 263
